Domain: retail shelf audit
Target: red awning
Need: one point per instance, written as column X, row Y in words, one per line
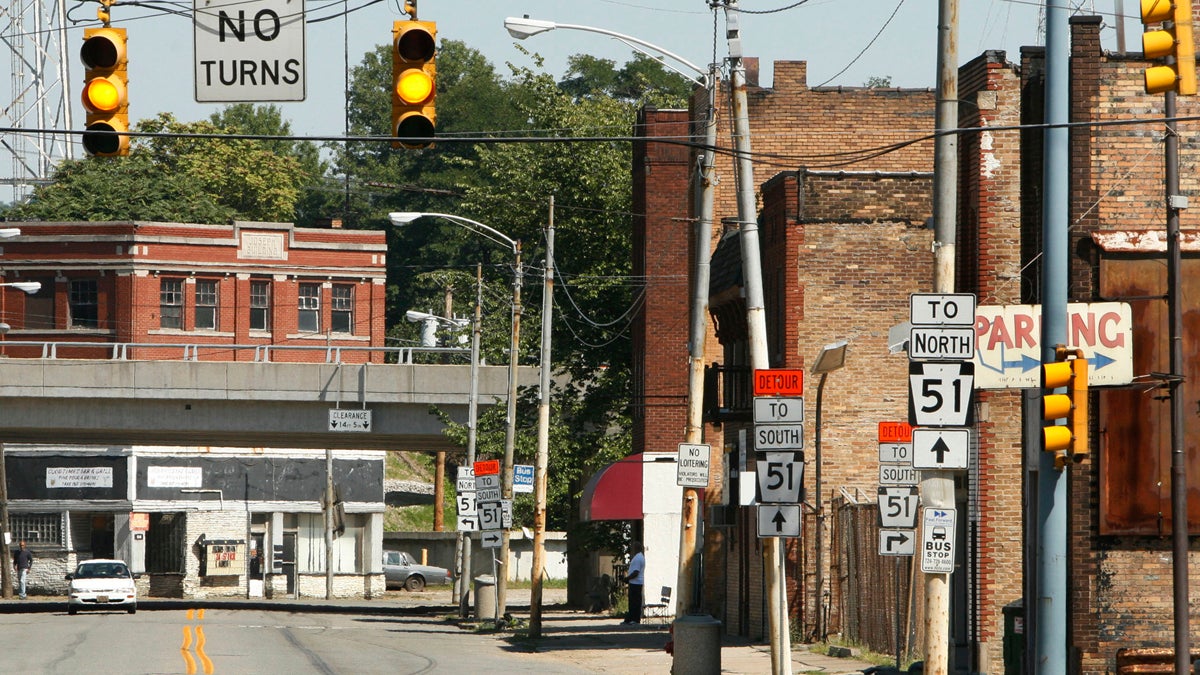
column 614, row 492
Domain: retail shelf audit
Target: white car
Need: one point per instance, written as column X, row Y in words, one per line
column 101, row 584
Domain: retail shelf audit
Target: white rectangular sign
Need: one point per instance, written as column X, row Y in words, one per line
column 769, row 437
column 342, row 419
column 491, row 516
column 898, row 507
column 895, row 453
column 487, row 495
column 691, row 468
column 466, row 503
column 1008, row 349
column 937, row 540
column 941, row 448
column 779, row 520
column 487, row 481
column 79, row 477
column 173, row 476
column 465, row 481
column 468, row 523
column 248, row 50
column 780, row 476
column 897, row 474
column 941, row 343
column 897, row 542
column 778, row 410
column 941, row 309
column 939, row 394
column 490, row 539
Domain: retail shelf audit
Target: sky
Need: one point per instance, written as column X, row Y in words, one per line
column 844, row 42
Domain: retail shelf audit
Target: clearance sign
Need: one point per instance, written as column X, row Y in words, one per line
column 1008, row 350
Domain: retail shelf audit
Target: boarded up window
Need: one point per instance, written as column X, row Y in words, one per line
column 1135, row 422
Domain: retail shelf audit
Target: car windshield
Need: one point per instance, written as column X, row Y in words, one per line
column 101, row 571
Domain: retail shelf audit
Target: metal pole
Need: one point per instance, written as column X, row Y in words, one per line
column 1179, row 485
column 688, row 583
column 5, row 551
column 543, row 440
column 328, row 523
column 937, row 487
column 464, row 588
column 819, row 543
column 1051, row 602
column 756, row 324
column 510, row 429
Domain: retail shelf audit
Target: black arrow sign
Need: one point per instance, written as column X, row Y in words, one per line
column 893, row 539
column 491, row 537
column 940, row 449
column 779, row 520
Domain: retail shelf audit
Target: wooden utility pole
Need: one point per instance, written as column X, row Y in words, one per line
column 543, row 440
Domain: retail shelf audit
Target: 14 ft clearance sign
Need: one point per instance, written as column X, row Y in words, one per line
column 249, row 50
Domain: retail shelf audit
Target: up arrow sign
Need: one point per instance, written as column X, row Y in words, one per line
column 941, row 448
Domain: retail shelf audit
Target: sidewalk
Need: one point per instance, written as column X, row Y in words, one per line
column 595, row 642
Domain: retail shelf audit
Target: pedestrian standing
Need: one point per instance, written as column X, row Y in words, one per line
column 22, row 561
column 637, row 583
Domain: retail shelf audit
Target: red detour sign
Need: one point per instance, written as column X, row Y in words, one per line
column 487, row 467
column 779, row 382
column 895, row 432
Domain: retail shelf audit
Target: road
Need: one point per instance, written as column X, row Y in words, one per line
column 253, row 641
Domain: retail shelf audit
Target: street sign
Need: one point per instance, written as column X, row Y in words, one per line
column 341, row 419
column 941, row 343
column 486, row 467
column 780, row 477
column 691, row 467
column 248, row 50
column 897, row 474
column 468, row 523
column 895, row 432
column 897, row 542
column 506, row 513
column 895, row 453
column 491, row 516
column 941, row 448
column 487, row 487
column 490, row 539
column 1008, row 349
column 941, row 309
column 466, row 503
column 939, row 394
column 779, row 382
column 522, row 478
column 898, row 507
column 465, row 480
column 778, row 410
column 779, row 520
column 768, row 437
column 937, row 540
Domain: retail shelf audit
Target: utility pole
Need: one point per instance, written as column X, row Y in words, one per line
column 543, row 440
column 688, row 583
column 756, row 322
column 937, row 487
column 510, row 430
column 439, row 470
column 464, row 539
column 1050, row 603
column 328, row 523
column 5, row 551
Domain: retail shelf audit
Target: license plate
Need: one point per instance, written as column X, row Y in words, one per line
column 101, row 598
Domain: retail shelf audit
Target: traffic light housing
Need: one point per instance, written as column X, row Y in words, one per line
column 105, row 91
column 414, row 83
column 1174, row 42
column 1070, row 370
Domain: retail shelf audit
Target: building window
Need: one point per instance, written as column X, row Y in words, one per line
column 341, row 311
column 309, row 320
column 206, row 304
column 170, row 303
column 82, row 297
column 260, row 305
column 36, row 528
column 39, row 307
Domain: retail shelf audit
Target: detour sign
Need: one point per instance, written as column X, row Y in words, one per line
column 779, row 382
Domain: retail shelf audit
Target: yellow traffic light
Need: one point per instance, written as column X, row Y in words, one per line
column 1069, row 371
column 1172, row 42
column 414, row 83
column 105, row 91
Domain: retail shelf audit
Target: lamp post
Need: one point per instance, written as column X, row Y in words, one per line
column 5, row 552
column 401, row 218
column 832, row 357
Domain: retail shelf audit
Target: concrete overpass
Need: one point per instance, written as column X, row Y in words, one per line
column 241, row 404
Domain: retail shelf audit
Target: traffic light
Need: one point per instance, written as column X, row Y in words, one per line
column 1173, row 41
column 105, row 91
column 414, row 83
column 1070, row 370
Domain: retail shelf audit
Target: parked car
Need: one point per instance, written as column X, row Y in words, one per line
column 400, row 569
column 101, row 584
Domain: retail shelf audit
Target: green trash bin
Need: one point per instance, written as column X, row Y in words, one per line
column 1014, row 637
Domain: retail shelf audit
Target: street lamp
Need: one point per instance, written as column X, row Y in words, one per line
column 5, row 552
column 831, row 358
column 401, row 218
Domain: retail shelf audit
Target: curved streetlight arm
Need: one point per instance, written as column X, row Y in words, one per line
column 524, row 27
column 406, row 217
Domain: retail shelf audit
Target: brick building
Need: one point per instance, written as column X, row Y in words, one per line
column 197, row 521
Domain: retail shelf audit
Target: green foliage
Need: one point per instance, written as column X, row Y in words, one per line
column 878, row 82
column 642, row 80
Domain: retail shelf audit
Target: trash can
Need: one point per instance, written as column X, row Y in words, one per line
column 697, row 649
column 485, row 597
column 1014, row 637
